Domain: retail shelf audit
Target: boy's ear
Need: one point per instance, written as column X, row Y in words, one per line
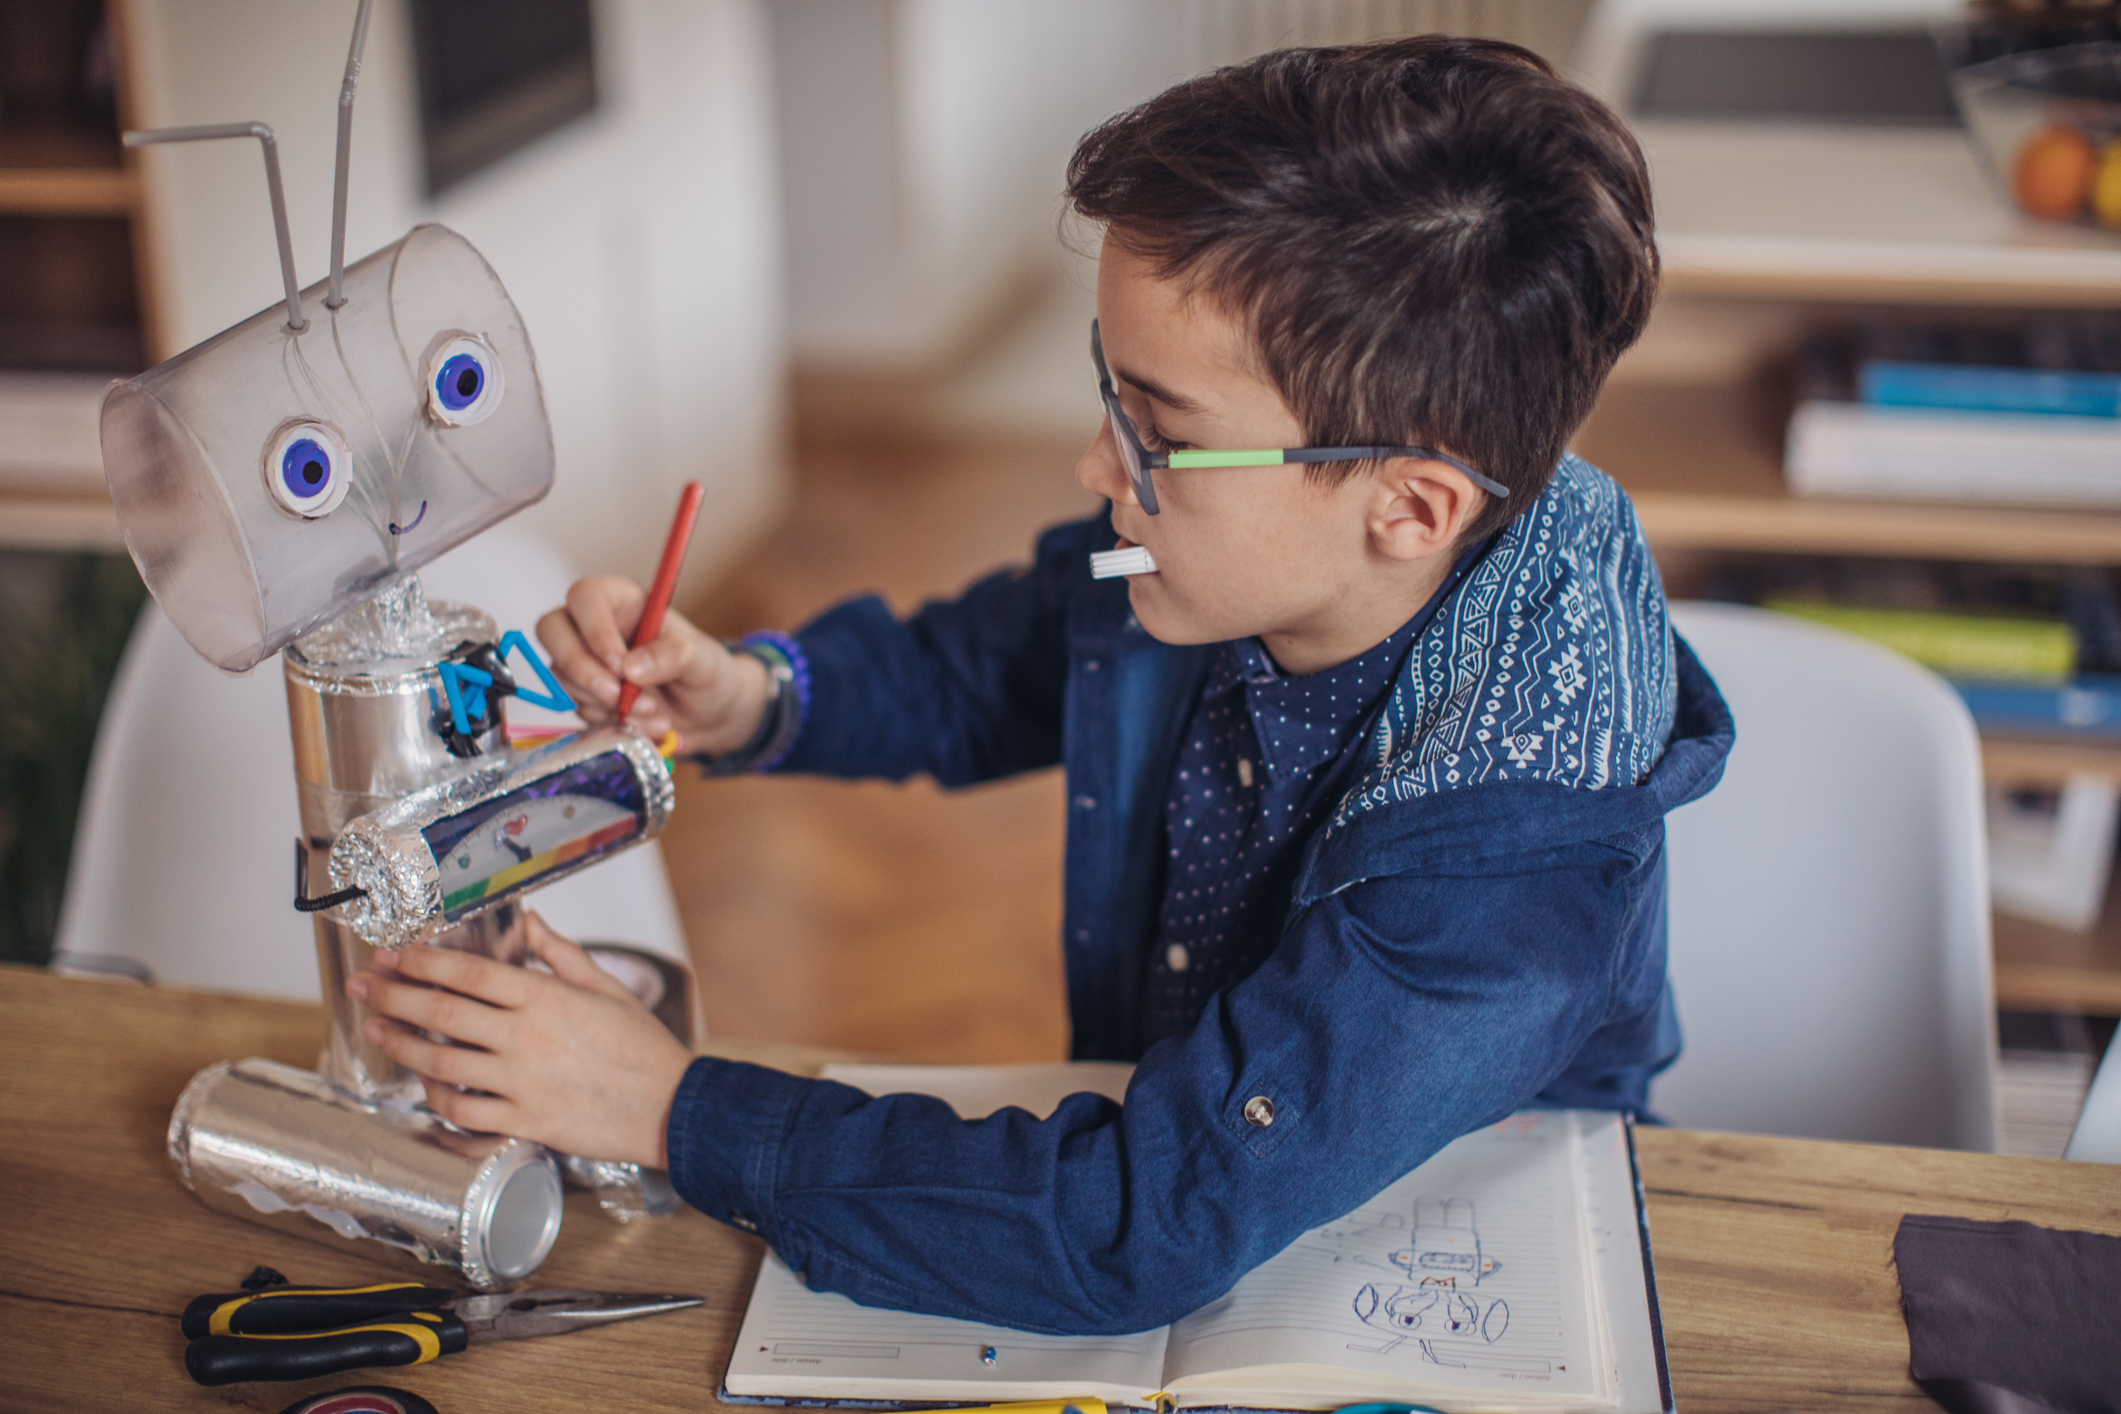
column 1420, row 507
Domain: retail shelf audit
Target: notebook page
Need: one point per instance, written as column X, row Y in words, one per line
column 1467, row 1274
column 1639, row 1382
column 798, row 1342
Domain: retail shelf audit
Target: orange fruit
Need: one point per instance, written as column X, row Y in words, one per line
column 2054, row 173
column 2106, row 190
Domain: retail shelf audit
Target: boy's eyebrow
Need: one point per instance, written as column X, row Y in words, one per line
column 1158, row 391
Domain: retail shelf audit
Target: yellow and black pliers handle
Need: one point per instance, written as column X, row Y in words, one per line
column 412, row 1339
column 285, row 1310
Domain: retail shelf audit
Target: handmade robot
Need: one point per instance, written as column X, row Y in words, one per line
column 279, row 485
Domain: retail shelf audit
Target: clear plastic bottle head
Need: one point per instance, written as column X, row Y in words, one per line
column 268, row 479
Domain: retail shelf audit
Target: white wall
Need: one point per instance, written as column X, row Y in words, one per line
column 641, row 243
column 924, row 146
column 925, row 142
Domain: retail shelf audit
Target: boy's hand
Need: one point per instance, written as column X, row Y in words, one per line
column 571, row 1060
column 689, row 682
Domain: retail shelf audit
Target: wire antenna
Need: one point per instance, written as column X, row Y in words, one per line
column 209, row 132
column 337, row 296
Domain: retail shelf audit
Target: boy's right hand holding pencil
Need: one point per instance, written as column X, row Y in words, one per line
column 689, row 682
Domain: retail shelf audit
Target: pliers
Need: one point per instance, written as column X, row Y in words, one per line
column 297, row 1332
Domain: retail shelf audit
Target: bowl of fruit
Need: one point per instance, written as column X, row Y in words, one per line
column 2047, row 124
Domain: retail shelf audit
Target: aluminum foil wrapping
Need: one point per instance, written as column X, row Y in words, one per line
column 275, row 1145
column 496, row 829
column 363, row 693
column 395, row 623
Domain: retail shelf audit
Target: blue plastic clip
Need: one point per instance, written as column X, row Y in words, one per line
column 555, row 697
column 465, row 686
column 462, row 684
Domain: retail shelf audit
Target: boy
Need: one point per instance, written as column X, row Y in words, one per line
column 1366, row 778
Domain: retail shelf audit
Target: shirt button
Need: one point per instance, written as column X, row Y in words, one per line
column 1259, row 1112
column 1177, row 958
column 1092, row 665
column 1086, row 802
column 740, row 1220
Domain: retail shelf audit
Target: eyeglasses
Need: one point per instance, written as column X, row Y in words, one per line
column 1141, row 461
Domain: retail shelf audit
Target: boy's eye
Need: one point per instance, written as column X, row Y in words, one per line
column 1156, row 441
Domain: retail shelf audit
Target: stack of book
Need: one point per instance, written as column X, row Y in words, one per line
column 2050, row 852
column 2030, row 416
column 2018, row 675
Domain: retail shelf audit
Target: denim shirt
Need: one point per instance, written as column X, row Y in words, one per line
column 1265, row 756
column 1478, row 926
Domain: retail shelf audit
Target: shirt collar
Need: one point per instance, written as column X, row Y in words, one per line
column 1302, row 721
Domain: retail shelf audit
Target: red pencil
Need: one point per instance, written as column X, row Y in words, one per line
column 666, row 579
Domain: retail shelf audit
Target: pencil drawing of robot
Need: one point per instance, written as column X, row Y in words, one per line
column 1444, row 1261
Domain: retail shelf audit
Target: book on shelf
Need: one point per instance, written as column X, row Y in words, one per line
column 2087, row 707
column 1909, row 414
column 1967, row 646
column 2051, row 392
column 1509, row 1272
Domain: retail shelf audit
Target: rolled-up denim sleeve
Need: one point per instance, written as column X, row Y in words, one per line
column 1394, row 1016
column 966, row 689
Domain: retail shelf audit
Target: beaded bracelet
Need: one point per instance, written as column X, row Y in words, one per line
column 786, row 710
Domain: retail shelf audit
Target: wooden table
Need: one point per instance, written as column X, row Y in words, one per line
column 1772, row 1255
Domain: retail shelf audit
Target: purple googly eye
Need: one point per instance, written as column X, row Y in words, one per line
column 461, row 381
column 308, row 468
column 464, row 382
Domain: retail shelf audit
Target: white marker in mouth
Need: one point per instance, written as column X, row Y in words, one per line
column 1128, row 561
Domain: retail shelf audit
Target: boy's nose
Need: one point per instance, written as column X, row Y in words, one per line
column 1100, row 471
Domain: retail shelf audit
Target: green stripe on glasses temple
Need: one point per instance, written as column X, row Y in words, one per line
column 1271, row 456
column 1280, row 456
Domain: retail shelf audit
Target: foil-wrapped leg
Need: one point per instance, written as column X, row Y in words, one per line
column 279, row 1146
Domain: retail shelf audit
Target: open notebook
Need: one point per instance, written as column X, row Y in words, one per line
column 1509, row 1272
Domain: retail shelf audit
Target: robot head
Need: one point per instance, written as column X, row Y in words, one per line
column 270, row 478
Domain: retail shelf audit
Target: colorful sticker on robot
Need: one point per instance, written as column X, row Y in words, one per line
column 563, row 820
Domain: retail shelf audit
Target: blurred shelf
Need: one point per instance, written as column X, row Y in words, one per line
column 59, row 522
column 2040, row 968
column 1703, row 464
column 49, row 144
column 2046, row 763
column 1877, row 215
column 67, row 191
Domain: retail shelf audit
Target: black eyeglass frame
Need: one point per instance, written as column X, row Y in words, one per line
column 1140, row 461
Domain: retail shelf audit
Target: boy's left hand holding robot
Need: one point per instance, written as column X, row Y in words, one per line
column 571, row 1060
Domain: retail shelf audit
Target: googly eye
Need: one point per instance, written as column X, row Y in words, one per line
column 464, row 382
column 308, row 468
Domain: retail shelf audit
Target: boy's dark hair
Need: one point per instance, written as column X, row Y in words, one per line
column 1433, row 240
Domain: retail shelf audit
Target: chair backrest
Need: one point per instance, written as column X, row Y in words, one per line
column 182, row 860
column 1829, row 900
column 2097, row 1136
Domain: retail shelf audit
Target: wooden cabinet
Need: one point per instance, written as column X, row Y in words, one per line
column 1767, row 234
column 77, row 296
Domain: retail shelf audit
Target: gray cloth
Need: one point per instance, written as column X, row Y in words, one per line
column 2010, row 1318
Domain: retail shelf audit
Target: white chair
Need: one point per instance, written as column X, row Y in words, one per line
column 1829, row 900
column 181, row 868
column 2097, row 1137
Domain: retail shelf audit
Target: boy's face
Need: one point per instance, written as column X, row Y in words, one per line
column 1240, row 551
